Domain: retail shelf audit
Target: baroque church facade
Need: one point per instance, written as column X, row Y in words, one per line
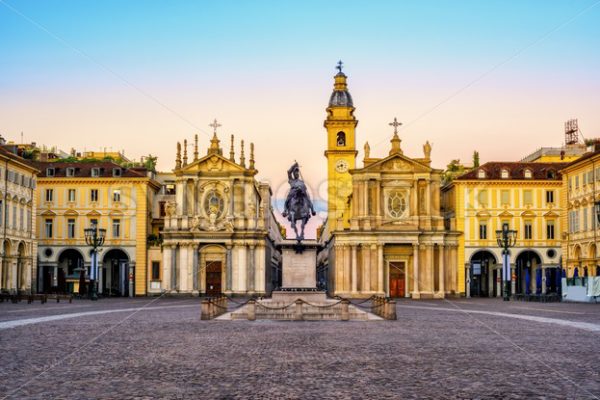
column 384, row 234
column 220, row 235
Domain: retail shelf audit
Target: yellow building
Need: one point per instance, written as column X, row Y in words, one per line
column 384, row 234
column 17, row 223
column 524, row 195
column 74, row 195
column 581, row 199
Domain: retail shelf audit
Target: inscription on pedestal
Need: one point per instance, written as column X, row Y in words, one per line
column 299, row 269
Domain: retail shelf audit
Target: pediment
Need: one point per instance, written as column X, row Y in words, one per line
column 93, row 213
column 506, row 214
column 551, row 214
column 71, row 212
column 483, row 214
column 48, row 213
column 528, row 213
column 116, row 213
column 212, row 163
column 397, row 163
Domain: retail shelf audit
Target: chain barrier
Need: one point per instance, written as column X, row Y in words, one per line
column 274, row 308
column 322, row 306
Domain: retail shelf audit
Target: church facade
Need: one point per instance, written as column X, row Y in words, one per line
column 385, row 233
column 219, row 234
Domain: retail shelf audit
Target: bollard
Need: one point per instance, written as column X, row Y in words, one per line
column 391, row 312
column 298, row 313
column 251, row 310
column 345, row 310
column 204, row 309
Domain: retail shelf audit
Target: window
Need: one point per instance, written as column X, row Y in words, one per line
column 584, row 179
column 95, row 172
column 49, row 171
column 117, row 172
column 71, row 195
column 116, row 226
column 71, row 228
column 504, row 174
column 116, row 196
column 585, row 219
column 590, row 178
column 396, row 204
column 21, row 219
column 550, row 230
column 574, row 221
column 48, row 228
column 213, row 204
column 155, row 270
column 70, row 171
column 596, row 211
column 1, row 212
column 481, row 174
column 93, row 222
column 527, row 173
column 94, row 195
column 577, row 182
column 169, row 188
column 505, row 197
column 550, row 196
column 49, row 195
column 528, row 230
column 341, row 139
column 527, row 197
column 483, row 230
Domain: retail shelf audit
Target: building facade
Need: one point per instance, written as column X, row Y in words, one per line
column 17, row 223
column 384, row 234
column 526, row 197
column 76, row 195
column 581, row 215
column 220, row 235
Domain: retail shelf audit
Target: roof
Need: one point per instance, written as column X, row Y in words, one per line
column 14, row 157
column 584, row 157
column 340, row 98
column 516, row 171
column 84, row 169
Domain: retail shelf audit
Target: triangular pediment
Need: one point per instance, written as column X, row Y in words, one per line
column 71, row 212
column 551, row 214
column 93, row 213
column 505, row 214
column 48, row 213
column 212, row 163
column 396, row 163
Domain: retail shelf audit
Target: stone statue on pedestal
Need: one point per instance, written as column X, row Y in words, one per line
column 298, row 206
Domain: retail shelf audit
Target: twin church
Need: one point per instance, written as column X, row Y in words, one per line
column 384, row 233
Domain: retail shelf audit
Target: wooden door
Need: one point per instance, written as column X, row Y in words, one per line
column 397, row 279
column 213, row 278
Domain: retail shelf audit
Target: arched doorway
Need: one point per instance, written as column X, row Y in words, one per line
column 114, row 278
column 529, row 272
column 67, row 273
column 483, row 275
column 212, row 270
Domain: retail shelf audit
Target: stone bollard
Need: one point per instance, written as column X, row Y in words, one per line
column 204, row 309
column 391, row 310
column 251, row 310
column 345, row 310
column 298, row 313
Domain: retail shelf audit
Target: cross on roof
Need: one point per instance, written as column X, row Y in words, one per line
column 395, row 124
column 339, row 65
column 215, row 125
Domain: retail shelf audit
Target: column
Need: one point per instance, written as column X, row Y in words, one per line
column 490, row 285
column 229, row 270
column 166, row 275
column 100, row 279
column 183, row 268
column 416, row 294
column 354, row 270
column 251, row 266
column 498, row 282
column 513, row 279
column 534, row 269
column 242, row 268
column 430, row 269
column 366, row 268
column 468, row 280
column 544, row 284
column 441, row 270
column 195, row 263
column 174, row 260
column 380, row 279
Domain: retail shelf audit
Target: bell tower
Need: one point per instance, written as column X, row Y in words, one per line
column 341, row 151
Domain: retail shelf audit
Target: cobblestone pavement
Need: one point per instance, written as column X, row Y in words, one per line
column 166, row 351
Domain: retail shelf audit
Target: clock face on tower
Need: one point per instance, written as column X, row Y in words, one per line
column 341, row 166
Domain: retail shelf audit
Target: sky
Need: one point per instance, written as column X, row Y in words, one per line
column 499, row 77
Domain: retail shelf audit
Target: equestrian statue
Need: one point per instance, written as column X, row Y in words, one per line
column 298, row 206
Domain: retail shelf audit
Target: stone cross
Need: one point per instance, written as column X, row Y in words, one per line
column 395, row 124
column 215, row 125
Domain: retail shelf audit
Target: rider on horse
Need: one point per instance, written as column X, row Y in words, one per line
column 297, row 204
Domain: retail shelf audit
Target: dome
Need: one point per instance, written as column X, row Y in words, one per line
column 340, row 98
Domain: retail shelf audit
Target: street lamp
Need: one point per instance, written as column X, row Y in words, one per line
column 94, row 237
column 506, row 239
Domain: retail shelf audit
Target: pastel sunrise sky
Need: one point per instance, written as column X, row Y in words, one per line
column 500, row 77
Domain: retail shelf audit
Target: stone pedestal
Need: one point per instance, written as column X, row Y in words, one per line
column 299, row 268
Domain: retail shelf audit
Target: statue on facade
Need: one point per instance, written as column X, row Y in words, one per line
column 298, row 206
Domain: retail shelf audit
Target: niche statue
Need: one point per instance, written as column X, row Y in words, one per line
column 298, row 206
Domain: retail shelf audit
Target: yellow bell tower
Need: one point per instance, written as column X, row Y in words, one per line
column 341, row 151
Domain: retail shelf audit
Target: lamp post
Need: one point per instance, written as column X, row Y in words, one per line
column 506, row 239
column 94, row 237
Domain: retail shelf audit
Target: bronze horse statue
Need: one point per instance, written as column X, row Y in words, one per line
column 298, row 206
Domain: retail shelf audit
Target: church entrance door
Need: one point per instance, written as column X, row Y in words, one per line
column 397, row 279
column 213, row 278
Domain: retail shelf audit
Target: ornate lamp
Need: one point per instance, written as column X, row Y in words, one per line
column 506, row 238
column 94, row 237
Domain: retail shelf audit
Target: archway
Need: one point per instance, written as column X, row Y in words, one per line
column 483, row 274
column 114, row 276
column 212, row 275
column 70, row 262
column 529, row 272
